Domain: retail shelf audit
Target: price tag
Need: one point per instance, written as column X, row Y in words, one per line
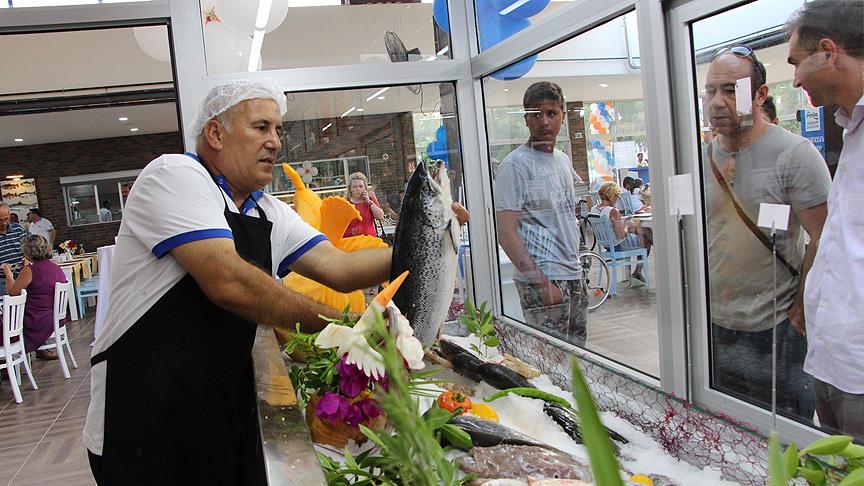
column 774, row 216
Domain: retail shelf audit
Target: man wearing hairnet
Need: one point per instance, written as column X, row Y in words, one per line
column 172, row 390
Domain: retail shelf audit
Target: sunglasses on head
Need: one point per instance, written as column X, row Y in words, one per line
column 744, row 51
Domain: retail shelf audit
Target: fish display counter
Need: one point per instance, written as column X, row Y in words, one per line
column 289, row 455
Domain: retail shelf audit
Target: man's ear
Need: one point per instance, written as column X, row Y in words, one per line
column 761, row 95
column 830, row 49
column 214, row 132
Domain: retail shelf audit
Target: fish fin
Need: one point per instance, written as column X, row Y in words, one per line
column 455, row 233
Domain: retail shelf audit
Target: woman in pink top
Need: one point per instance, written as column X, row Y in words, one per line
column 366, row 203
column 38, row 276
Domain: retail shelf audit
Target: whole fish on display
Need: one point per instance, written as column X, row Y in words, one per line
column 515, row 461
column 469, row 365
column 485, row 433
column 426, row 242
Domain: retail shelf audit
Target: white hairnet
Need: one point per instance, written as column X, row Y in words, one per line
column 222, row 97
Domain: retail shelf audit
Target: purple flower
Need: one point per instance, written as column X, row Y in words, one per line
column 354, row 416
column 370, row 408
column 332, row 407
column 352, row 380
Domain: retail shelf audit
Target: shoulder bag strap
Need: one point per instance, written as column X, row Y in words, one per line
column 743, row 215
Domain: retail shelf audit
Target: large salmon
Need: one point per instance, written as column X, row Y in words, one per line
column 426, row 243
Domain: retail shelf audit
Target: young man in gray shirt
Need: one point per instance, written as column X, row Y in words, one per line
column 535, row 204
column 751, row 162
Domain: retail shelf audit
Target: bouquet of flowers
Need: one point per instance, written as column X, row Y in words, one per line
column 69, row 246
column 343, row 372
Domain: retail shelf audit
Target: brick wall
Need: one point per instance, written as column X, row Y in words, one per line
column 389, row 136
column 47, row 163
column 576, row 122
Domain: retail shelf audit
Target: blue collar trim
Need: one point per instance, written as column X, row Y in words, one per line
column 251, row 202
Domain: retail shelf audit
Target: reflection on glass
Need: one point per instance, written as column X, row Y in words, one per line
column 82, row 204
column 380, row 133
column 499, row 19
column 308, row 33
column 109, row 201
column 551, row 149
column 748, row 160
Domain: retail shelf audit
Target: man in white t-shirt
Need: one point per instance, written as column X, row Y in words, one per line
column 105, row 212
column 41, row 226
column 172, row 384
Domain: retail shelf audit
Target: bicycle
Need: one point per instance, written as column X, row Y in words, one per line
column 598, row 278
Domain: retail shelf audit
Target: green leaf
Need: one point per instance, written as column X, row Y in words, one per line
column 456, row 436
column 855, row 478
column 604, row 464
column 492, row 342
column 813, row 477
column 349, row 460
column 852, row 451
column 776, row 470
column 790, row 458
column 371, row 435
column 827, row 445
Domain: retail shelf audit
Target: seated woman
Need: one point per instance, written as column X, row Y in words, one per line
column 38, row 276
column 628, row 234
column 366, row 203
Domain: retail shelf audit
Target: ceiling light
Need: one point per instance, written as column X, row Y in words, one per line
column 19, row 139
column 133, row 129
column 123, row 118
column 513, row 6
column 603, row 85
column 377, row 93
column 327, row 126
column 348, row 111
column 361, row 109
column 255, row 50
column 766, row 64
column 506, row 89
column 382, row 98
column 263, row 14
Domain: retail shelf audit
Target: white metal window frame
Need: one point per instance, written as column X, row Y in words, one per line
column 120, row 177
column 679, row 18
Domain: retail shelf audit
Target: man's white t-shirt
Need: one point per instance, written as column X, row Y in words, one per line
column 175, row 202
column 42, row 228
column 105, row 215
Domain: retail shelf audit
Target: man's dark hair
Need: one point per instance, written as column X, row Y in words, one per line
column 106, row 203
column 36, row 212
column 543, row 91
column 838, row 20
column 627, row 183
column 770, row 108
column 638, row 183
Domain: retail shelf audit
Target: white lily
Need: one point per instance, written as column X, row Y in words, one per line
column 352, row 340
column 409, row 346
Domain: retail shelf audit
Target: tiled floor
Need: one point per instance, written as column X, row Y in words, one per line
column 40, row 438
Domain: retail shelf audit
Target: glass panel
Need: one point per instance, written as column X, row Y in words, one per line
column 82, row 204
column 307, row 33
column 109, row 201
column 556, row 135
column 750, row 156
column 499, row 19
column 381, row 132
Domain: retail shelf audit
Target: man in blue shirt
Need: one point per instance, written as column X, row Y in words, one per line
column 10, row 244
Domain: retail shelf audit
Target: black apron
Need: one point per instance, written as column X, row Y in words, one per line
column 180, row 404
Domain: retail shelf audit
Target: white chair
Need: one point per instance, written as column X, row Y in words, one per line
column 60, row 337
column 12, row 352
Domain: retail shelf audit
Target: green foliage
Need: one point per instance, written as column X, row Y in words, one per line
column 604, row 464
column 319, row 371
column 832, row 460
column 411, row 454
column 479, row 323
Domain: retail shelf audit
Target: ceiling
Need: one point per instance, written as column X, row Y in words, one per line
column 112, row 57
